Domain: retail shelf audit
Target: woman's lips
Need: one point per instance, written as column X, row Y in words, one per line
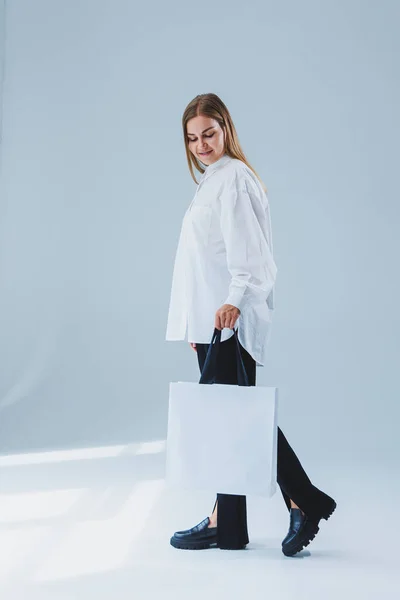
column 205, row 153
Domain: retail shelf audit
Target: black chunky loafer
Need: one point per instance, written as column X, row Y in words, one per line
column 302, row 530
column 199, row 537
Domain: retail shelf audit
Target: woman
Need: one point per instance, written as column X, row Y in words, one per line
column 224, row 275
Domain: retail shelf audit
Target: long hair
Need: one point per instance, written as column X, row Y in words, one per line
column 210, row 105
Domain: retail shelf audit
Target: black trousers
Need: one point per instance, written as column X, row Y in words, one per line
column 292, row 479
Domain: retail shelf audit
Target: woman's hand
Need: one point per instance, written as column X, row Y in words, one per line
column 226, row 316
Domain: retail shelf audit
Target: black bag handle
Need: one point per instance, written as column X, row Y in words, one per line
column 208, row 373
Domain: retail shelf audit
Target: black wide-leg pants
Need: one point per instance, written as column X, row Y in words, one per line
column 292, row 479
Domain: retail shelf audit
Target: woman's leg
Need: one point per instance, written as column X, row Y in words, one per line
column 295, row 484
column 230, row 509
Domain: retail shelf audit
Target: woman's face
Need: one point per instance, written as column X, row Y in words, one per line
column 205, row 139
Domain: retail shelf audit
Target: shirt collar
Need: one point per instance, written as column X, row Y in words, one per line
column 209, row 169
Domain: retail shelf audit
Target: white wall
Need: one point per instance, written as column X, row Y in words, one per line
column 94, row 186
column 2, row 61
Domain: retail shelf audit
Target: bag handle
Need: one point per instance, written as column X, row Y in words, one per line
column 208, row 374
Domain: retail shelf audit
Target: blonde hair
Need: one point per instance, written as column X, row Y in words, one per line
column 210, row 105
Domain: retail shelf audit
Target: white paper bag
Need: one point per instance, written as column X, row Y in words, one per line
column 222, row 438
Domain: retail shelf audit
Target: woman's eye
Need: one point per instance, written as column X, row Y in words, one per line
column 206, row 136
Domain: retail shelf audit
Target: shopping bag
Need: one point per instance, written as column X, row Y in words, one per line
column 222, row 438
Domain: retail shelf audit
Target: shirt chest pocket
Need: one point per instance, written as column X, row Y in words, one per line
column 200, row 217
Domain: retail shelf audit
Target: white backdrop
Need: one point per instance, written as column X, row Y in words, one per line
column 2, row 59
column 94, row 186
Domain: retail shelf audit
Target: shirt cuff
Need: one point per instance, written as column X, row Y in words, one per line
column 236, row 297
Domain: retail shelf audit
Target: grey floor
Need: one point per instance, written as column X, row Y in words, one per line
column 96, row 523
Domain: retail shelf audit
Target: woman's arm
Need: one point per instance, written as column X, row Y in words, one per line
column 249, row 257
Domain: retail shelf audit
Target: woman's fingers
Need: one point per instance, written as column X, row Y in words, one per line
column 226, row 316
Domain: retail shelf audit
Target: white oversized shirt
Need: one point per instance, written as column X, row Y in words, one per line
column 225, row 256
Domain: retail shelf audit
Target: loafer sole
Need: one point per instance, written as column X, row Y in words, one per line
column 193, row 544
